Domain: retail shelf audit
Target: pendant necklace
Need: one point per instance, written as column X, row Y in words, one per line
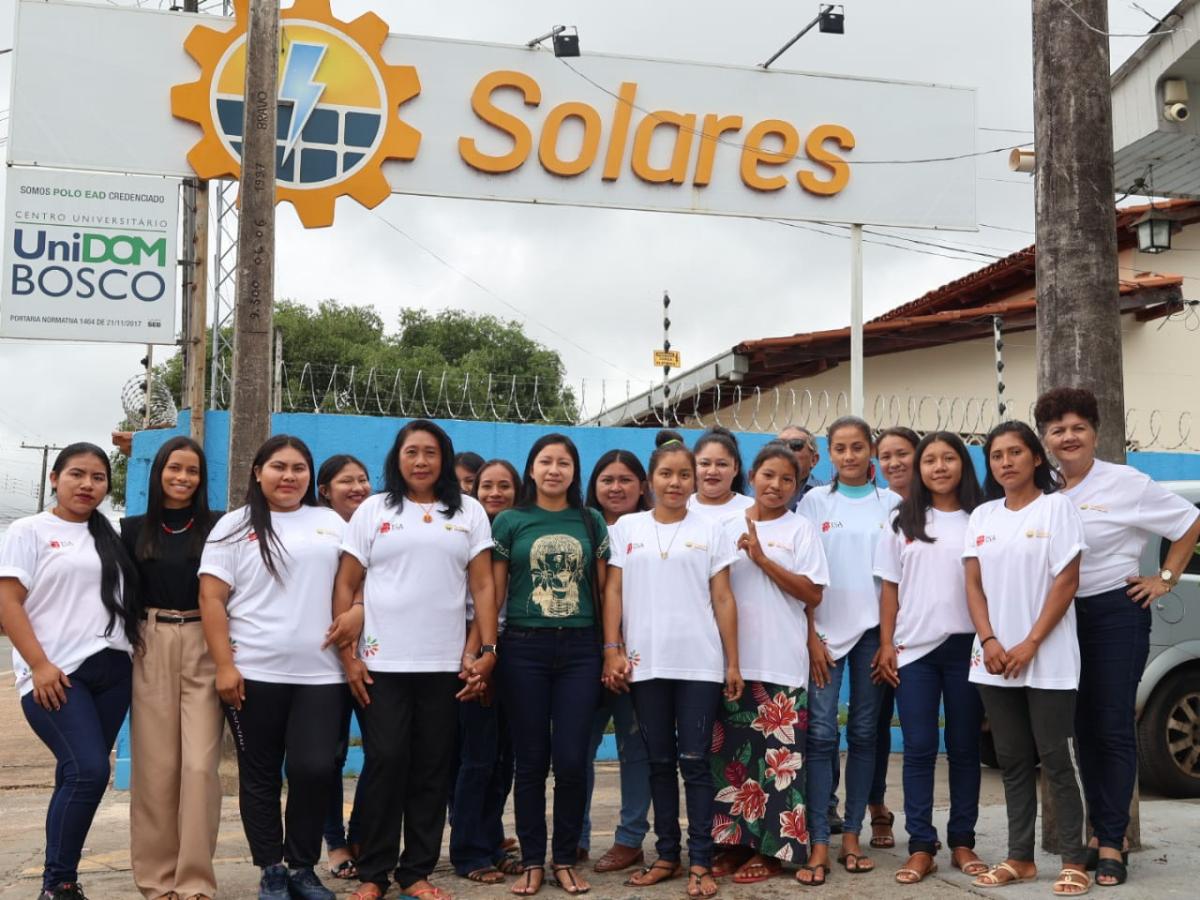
column 188, row 527
column 428, row 510
column 663, row 554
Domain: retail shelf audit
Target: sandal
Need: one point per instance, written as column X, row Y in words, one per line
column 345, row 869
column 1111, row 868
column 662, row 865
column 486, row 875
column 885, row 840
column 1011, row 876
column 973, row 866
column 910, row 874
column 729, row 859
column 1068, row 879
column 527, row 888
column 819, row 869
column 574, row 887
column 765, row 868
column 853, row 863
column 367, row 891
column 435, row 893
column 695, row 887
column 1093, row 858
column 510, row 865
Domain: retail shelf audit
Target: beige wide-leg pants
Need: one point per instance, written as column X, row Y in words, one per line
column 175, row 735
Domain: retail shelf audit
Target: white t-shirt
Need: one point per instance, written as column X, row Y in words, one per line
column 849, row 529
column 1020, row 554
column 667, row 616
column 57, row 564
column 772, row 625
column 277, row 627
column 932, row 583
column 416, row 591
column 733, row 508
column 1121, row 508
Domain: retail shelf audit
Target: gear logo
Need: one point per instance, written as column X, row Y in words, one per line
column 338, row 118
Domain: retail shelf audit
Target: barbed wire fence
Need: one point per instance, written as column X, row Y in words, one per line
column 351, row 390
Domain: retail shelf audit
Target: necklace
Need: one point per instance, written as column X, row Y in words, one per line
column 663, row 554
column 188, row 527
column 428, row 510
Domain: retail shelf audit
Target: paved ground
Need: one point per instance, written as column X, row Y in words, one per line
column 1168, row 867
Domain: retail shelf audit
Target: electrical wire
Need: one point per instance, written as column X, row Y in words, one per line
column 1109, row 34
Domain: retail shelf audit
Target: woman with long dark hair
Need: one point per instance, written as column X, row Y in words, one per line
column 176, row 723
column 478, row 849
column 925, row 649
column 671, row 637
column 895, row 448
column 419, row 552
column 1121, row 508
column 720, row 481
column 266, row 577
column 1022, row 553
column 68, row 603
column 550, row 565
column 618, row 488
column 843, row 639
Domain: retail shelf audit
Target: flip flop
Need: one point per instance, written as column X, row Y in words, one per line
column 821, row 869
column 698, row 878
column 856, row 867
column 345, row 870
column 574, row 887
column 660, row 865
column 486, row 875
column 1014, row 877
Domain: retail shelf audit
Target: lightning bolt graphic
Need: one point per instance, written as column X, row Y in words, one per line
column 299, row 88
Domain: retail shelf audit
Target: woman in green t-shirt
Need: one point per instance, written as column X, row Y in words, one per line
column 549, row 561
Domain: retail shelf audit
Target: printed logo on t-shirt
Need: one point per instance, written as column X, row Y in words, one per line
column 631, row 546
column 695, row 545
column 1094, row 507
column 251, row 536
column 370, row 646
column 976, row 658
column 827, row 526
column 61, row 545
column 982, row 539
column 1037, row 533
column 450, row 526
column 635, row 658
column 385, row 527
column 328, row 532
column 779, row 545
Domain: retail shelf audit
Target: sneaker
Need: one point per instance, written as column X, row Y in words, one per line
column 66, row 891
column 303, row 884
column 274, row 883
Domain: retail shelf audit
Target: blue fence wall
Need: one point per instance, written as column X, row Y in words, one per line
column 369, row 438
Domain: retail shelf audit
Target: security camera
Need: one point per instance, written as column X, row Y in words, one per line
column 1175, row 100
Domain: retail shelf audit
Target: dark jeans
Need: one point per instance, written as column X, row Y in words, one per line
column 337, row 837
column 1028, row 725
column 676, row 719
column 939, row 678
column 635, row 771
column 284, row 729
column 1114, row 641
column 550, row 683
column 883, row 745
column 410, row 728
column 485, row 775
column 80, row 734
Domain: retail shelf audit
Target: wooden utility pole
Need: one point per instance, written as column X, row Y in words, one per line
column 1078, row 304
column 250, row 411
column 45, row 448
column 195, row 233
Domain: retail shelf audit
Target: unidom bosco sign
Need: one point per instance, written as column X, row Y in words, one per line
column 364, row 113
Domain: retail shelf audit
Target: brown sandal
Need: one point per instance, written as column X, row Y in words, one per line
column 973, row 866
column 527, row 889
column 660, row 865
column 910, row 874
column 695, row 886
column 573, row 887
column 882, row 837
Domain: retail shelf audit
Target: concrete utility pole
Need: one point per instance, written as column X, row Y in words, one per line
column 250, row 411
column 1078, row 314
column 45, row 448
column 195, row 243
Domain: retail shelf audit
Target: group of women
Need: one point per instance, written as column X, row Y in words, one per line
column 485, row 625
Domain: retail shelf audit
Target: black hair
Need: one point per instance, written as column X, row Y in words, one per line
column 503, row 463
column 149, row 544
column 669, row 441
column 1044, row 475
column 910, row 514
column 446, row 489
column 860, row 425
column 1057, row 402
column 469, row 460
column 332, row 468
column 118, row 574
column 258, row 510
column 900, row 431
column 776, row 450
column 629, row 461
column 725, row 438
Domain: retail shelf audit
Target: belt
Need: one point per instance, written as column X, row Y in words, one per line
column 174, row 618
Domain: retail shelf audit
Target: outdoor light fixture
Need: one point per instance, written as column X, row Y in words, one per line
column 1153, row 233
column 564, row 44
column 831, row 17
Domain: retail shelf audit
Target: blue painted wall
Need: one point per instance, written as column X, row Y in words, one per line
column 369, row 438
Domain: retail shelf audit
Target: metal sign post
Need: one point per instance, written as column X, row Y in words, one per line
column 857, row 401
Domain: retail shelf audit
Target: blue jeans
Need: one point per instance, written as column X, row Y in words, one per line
column 1114, row 641
column 635, row 771
column 940, row 678
column 80, row 734
column 336, row 835
column 550, row 683
column 485, row 776
column 860, row 739
column 883, row 745
column 676, row 719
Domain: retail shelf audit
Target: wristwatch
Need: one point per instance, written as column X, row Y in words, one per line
column 487, row 648
column 1169, row 577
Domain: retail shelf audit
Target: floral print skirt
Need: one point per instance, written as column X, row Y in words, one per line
column 758, row 768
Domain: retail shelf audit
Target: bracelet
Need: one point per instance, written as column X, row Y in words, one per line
column 614, row 646
column 990, row 637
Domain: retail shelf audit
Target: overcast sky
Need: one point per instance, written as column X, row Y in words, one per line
column 597, row 276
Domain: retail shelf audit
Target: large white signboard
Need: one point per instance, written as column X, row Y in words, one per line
column 92, row 90
column 89, row 257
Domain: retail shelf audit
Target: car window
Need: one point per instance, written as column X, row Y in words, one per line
column 1193, row 566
